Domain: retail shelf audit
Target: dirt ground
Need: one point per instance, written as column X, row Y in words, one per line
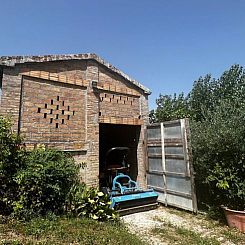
column 176, row 225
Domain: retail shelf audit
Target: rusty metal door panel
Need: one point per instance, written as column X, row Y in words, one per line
column 170, row 170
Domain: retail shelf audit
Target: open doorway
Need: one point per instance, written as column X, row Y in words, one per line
column 118, row 137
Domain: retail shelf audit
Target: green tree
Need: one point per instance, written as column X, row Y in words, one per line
column 216, row 108
column 170, row 108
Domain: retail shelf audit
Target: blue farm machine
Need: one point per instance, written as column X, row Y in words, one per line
column 126, row 196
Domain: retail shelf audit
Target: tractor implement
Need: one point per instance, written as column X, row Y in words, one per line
column 127, row 197
column 125, row 194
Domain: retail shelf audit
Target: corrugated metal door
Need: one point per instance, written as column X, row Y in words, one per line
column 169, row 168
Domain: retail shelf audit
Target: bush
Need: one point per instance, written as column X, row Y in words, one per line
column 219, row 155
column 89, row 203
column 44, row 182
column 11, row 160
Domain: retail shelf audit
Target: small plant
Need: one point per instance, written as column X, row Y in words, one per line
column 90, row 203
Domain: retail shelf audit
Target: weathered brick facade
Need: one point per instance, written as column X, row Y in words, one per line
column 60, row 101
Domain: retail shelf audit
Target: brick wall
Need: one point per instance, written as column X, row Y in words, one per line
column 126, row 106
column 92, row 164
column 74, row 124
column 10, row 99
column 119, row 105
column 141, row 150
column 53, row 113
column 106, row 76
column 72, row 69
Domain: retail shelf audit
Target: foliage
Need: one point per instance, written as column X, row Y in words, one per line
column 216, row 108
column 44, row 182
column 11, row 160
column 90, row 203
column 170, row 108
column 219, row 154
column 65, row 230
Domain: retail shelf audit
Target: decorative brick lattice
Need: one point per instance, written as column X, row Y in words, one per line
column 56, row 109
column 118, row 105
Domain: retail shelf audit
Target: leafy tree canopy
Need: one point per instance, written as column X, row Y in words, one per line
column 216, row 108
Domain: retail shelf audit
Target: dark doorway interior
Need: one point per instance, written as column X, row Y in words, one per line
column 114, row 135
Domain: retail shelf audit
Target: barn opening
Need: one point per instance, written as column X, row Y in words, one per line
column 118, row 137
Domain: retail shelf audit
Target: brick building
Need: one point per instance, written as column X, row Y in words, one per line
column 76, row 103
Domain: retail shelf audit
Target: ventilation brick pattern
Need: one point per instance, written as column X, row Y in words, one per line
column 56, row 115
column 116, row 105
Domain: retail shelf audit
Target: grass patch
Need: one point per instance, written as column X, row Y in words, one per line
column 63, row 230
column 234, row 236
column 179, row 235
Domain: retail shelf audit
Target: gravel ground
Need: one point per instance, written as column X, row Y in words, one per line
column 143, row 222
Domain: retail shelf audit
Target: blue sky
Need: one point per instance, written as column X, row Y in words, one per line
column 165, row 45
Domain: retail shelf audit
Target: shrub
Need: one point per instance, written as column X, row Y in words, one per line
column 44, row 182
column 90, row 203
column 11, row 160
column 219, row 155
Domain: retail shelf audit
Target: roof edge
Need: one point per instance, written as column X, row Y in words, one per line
column 13, row 60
